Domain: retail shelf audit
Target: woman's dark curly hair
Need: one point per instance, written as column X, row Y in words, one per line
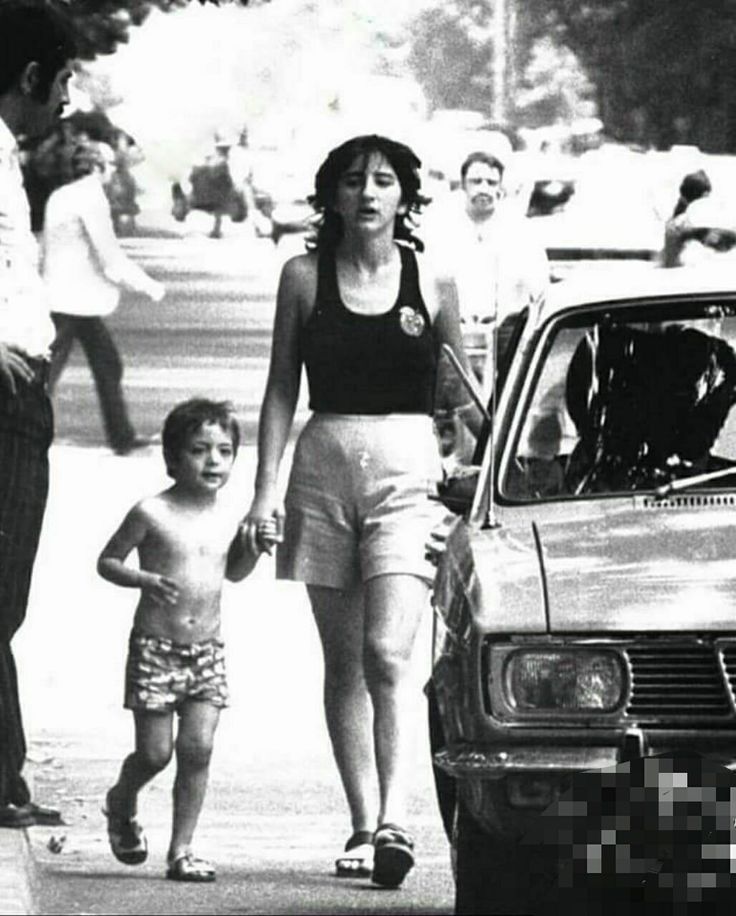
column 404, row 162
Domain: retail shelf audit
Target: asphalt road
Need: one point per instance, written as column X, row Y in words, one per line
column 210, row 335
column 274, row 819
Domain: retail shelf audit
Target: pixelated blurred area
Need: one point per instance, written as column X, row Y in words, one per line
column 655, row 834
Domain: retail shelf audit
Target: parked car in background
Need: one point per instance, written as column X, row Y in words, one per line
column 585, row 592
column 594, row 211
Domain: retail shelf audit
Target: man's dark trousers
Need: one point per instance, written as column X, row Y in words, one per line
column 26, row 431
column 106, row 365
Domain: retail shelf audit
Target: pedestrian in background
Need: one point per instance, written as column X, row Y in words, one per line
column 362, row 312
column 702, row 228
column 36, row 54
column 240, row 163
column 85, row 268
column 121, row 187
column 498, row 265
column 694, row 186
column 187, row 542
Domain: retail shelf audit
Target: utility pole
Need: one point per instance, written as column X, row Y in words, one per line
column 500, row 54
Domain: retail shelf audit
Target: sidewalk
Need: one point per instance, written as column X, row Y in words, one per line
column 16, row 874
column 274, row 817
column 91, row 489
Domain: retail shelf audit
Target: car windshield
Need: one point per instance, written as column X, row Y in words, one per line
column 628, row 399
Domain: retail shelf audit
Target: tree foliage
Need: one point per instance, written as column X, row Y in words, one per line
column 664, row 69
column 452, row 55
column 101, row 25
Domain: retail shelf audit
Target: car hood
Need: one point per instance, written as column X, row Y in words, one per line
column 655, row 565
column 667, row 565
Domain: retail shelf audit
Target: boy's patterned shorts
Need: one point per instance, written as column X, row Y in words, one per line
column 161, row 674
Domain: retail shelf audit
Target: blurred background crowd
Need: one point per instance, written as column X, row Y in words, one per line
column 213, row 115
column 234, row 115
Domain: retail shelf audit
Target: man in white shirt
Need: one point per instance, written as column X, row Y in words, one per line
column 497, row 264
column 84, row 268
column 36, row 52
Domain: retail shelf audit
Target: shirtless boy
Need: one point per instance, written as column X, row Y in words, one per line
column 188, row 542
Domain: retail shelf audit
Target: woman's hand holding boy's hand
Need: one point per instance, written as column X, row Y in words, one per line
column 160, row 588
column 265, row 515
column 268, row 534
column 251, row 540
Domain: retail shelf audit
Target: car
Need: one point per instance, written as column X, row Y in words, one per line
column 584, row 611
column 586, row 220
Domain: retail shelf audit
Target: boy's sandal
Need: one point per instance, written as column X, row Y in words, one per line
column 189, row 868
column 127, row 841
column 394, row 856
column 359, row 864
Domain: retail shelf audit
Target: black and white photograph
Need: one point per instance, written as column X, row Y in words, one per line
column 448, row 627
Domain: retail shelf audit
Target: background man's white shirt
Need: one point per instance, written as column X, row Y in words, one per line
column 498, row 265
column 83, row 263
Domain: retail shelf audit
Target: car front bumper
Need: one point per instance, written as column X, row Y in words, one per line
column 474, row 764
column 469, row 762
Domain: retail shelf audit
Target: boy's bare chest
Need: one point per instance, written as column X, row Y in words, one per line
column 193, row 539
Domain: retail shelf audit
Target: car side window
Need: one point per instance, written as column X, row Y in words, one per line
column 548, row 435
column 621, row 405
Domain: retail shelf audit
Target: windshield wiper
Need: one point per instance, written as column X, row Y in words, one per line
column 674, row 486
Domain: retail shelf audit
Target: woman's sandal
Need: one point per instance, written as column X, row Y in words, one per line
column 127, row 841
column 187, row 867
column 359, row 864
column 394, row 856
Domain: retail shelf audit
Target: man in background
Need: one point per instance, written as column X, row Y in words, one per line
column 36, row 52
column 85, row 268
column 498, row 266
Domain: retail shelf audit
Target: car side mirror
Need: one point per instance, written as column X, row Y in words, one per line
column 456, row 491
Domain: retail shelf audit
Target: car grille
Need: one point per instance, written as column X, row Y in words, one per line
column 671, row 684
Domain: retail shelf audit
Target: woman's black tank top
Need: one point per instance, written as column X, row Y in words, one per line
column 370, row 364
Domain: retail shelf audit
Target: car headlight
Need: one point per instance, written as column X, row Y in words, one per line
column 574, row 680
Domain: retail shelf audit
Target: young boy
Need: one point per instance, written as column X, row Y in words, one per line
column 187, row 543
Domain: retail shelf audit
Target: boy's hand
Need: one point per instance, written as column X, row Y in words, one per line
column 264, row 510
column 161, row 589
column 268, row 534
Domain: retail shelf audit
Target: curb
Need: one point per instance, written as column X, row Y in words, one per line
column 16, row 874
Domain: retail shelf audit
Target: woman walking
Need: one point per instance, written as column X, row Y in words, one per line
column 364, row 317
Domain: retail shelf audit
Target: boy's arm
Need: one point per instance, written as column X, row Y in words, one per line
column 111, row 562
column 241, row 559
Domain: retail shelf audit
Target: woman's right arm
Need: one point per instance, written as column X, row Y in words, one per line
column 282, row 390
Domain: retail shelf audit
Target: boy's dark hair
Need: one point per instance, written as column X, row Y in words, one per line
column 32, row 31
column 485, row 158
column 404, row 162
column 187, row 417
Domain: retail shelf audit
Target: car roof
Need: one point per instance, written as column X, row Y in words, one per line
column 656, row 282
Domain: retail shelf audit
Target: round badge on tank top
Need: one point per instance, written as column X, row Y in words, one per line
column 412, row 322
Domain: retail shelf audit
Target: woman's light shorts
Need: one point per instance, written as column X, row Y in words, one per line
column 357, row 504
